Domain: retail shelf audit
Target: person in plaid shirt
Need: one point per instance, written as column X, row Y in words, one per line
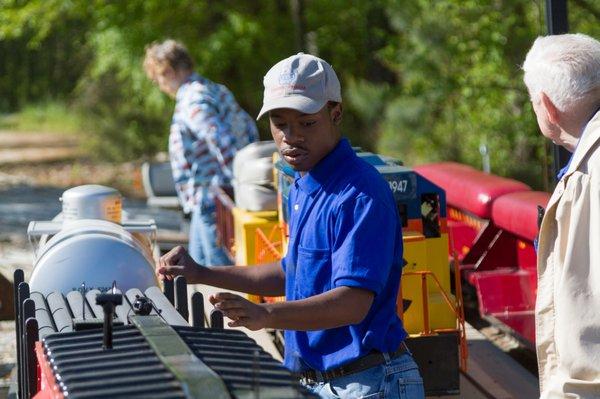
column 207, row 130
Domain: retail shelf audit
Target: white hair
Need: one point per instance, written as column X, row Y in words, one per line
column 565, row 67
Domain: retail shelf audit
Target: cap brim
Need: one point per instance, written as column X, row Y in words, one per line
column 299, row 103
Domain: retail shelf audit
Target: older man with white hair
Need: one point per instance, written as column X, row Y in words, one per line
column 562, row 74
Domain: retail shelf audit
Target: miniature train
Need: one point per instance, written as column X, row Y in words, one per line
column 485, row 223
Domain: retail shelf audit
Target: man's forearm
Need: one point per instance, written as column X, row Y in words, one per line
column 267, row 279
column 339, row 307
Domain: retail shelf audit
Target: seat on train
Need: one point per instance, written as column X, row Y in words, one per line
column 159, row 186
column 517, row 213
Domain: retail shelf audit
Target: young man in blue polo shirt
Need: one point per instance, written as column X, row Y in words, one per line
column 344, row 259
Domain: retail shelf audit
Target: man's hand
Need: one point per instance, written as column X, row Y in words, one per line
column 177, row 262
column 243, row 312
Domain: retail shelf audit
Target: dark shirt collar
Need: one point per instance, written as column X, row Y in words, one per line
column 325, row 169
column 563, row 171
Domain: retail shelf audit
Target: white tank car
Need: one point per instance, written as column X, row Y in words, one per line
column 89, row 242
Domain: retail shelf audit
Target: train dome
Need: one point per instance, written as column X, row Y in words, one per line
column 91, row 201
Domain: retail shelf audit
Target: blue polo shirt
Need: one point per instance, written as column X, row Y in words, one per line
column 344, row 231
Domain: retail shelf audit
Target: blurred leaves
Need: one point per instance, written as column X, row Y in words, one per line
column 422, row 80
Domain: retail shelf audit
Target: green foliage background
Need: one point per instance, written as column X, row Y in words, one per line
column 423, row 80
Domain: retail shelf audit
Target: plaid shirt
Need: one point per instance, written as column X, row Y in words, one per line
column 207, row 130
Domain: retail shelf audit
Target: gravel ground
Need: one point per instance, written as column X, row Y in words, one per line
column 8, row 355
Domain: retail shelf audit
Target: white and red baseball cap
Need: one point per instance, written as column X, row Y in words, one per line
column 302, row 82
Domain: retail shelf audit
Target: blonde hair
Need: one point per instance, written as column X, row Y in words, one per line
column 169, row 53
column 565, row 67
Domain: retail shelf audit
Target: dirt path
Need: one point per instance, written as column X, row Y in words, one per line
column 26, row 148
column 57, row 160
column 12, row 139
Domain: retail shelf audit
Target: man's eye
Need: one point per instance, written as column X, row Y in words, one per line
column 308, row 123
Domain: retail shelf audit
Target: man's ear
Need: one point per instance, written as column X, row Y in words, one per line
column 550, row 108
column 336, row 114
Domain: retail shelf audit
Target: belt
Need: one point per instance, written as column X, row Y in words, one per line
column 366, row 362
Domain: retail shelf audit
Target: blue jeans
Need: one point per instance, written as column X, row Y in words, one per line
column 203, row 246
column 397, row 378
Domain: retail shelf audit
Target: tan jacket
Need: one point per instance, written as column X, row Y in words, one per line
column 568, row 296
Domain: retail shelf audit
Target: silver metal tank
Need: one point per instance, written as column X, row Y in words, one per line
column 88, row 244
column 92, row 201
column 253, row 177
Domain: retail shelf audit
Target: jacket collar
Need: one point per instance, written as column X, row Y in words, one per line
column 323, row 171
